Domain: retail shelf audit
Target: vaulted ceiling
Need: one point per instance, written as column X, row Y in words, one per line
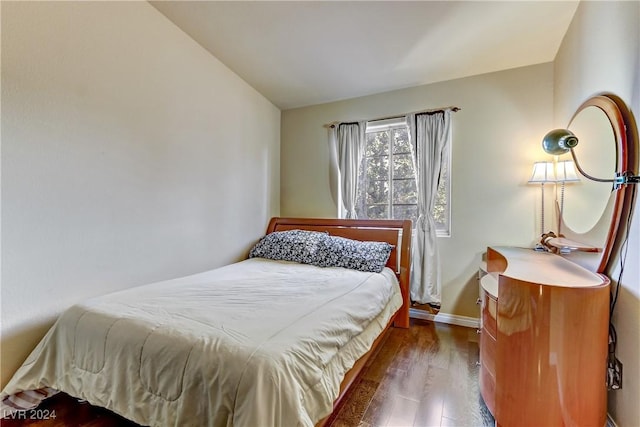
column 299, row 53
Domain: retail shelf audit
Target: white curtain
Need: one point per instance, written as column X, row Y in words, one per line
column 430, row 134
column 349, row 139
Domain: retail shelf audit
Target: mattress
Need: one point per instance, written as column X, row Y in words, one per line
column 255, row 343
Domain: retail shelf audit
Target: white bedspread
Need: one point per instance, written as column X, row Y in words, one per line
column 257, row 343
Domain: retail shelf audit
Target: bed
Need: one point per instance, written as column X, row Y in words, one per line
column 268, row 342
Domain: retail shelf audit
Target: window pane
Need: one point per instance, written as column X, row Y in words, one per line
column 404, row 191
column 377, row 143
column 441, row 210
column 377, row 168
column 401, row 140
column 377, row 212
column 377, row 192
column 403, row 166
column 406, row 212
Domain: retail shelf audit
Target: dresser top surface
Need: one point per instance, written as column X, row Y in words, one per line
column 542, row 268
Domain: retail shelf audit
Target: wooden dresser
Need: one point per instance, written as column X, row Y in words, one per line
column 543, row 343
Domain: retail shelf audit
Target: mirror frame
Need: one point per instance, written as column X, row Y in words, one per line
column 626, row 145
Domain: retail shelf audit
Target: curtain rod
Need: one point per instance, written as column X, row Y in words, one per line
column 437, row 110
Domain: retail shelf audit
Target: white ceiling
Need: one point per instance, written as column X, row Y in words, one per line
column 299, row 53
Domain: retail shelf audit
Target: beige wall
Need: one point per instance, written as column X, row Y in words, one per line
column 496, row 139
column 601, row 52
column 129, row 155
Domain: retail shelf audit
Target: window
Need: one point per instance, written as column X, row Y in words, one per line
column 387, row 181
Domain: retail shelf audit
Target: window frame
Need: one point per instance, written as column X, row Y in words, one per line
column 442, row 230
column 389, row 126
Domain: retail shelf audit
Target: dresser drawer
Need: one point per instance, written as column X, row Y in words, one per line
column 489, row 310
column 488, row 389
column 488, row 352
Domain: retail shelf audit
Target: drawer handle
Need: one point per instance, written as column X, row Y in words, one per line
column 478, row 301
column 478, row 363
column 478, row 331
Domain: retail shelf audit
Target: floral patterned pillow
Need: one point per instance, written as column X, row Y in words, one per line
column 292, row 245
column 354, row 254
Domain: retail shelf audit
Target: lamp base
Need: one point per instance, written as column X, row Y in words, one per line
column 543, row 245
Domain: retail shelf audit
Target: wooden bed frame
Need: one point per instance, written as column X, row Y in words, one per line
column 395, row 232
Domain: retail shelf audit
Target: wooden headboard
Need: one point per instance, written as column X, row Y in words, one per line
column 395, row 232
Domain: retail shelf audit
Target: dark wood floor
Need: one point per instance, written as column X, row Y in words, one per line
column 424, row 376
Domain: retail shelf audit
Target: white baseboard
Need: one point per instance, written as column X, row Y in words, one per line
column 452, row 319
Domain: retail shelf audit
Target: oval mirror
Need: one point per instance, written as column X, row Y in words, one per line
column 590, row 212
column 585, row 201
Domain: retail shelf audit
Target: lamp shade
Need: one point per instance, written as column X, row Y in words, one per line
column 559, row 141
column 542, row 173
column 566, row 171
